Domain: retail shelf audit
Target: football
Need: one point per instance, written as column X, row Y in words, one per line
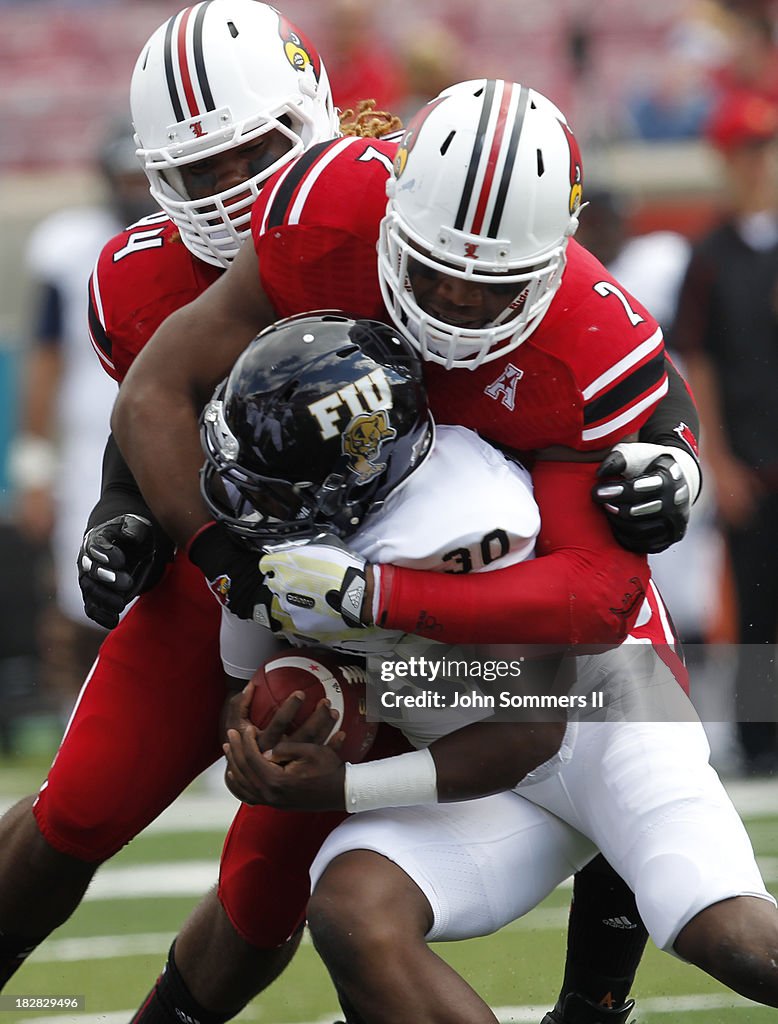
column 317, row 673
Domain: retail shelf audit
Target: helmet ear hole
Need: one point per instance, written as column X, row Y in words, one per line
column 319, row 420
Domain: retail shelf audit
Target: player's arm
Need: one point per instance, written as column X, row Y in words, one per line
column 585, row 589
column 155, row 419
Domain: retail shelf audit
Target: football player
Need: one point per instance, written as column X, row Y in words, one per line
column 322, row 425
column 323, row 218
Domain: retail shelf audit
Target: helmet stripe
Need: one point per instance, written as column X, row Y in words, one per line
column 491, row 162
column 510, row 160
column 176, row 56
column 170, row 75
column 202, row 75
column 475, row 157
column 183, row 63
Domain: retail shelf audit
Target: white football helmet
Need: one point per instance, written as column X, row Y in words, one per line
column 486, row 188
column 215, row 76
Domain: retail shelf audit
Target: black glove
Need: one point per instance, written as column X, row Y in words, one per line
column 115, row 564
column 649, row 511
column 232, row 572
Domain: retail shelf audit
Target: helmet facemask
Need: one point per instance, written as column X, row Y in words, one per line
column 213, row 227
column 525, row 293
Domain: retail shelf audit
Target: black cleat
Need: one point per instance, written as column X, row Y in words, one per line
column 578, row 1010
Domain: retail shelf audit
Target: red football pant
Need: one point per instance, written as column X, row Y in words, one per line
column 146, row 722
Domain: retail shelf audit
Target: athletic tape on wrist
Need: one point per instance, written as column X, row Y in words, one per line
column 376, row 609
column 690, row 470
column 400, row 781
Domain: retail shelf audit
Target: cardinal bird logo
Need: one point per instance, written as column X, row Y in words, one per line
column 298, row 49
column 576, row 170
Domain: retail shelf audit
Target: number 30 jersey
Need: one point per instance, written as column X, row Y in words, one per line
column 467, row 508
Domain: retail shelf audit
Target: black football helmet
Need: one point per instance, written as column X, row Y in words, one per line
column 320, row 419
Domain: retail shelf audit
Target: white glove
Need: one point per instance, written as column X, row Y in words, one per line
column 320, row 585
column 638, row 456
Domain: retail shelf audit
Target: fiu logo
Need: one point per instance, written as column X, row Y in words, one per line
column 408, row 141
column 362, row 442
column 576, row 170
column 298, row 49
column 370, row 393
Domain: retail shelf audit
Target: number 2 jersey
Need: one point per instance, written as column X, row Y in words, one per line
column 589, row 376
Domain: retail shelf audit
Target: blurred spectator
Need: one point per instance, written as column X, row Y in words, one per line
column 55, row 461
column 360, row 61
column 434, row 59
column 727, row 330
column 674, row 99
column 752, row 60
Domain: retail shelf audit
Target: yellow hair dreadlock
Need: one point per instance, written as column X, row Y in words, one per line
column 367, row 122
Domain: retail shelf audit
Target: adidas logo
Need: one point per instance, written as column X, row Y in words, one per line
column 619, row 922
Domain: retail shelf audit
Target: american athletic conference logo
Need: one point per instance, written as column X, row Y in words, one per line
column 503, row 389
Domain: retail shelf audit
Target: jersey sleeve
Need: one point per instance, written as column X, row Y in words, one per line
column 142, row 275
column 315, row 227
column 613, row 348
column 583, row 589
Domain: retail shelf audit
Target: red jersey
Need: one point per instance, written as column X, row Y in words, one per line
column 589, row 375
column 141, row 276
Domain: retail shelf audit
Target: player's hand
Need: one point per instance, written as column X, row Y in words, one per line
column 114, row 563
column 233, row 575
column 315, row 729
column 647, row 491
column 321, row 586
column 291, row 776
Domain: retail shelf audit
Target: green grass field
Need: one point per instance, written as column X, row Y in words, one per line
column 112, row 948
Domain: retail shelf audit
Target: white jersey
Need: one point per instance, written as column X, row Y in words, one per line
column 466, row 508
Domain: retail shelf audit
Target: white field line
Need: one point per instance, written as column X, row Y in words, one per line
column 195, row 877
column 213, row 811
column 142, row 881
